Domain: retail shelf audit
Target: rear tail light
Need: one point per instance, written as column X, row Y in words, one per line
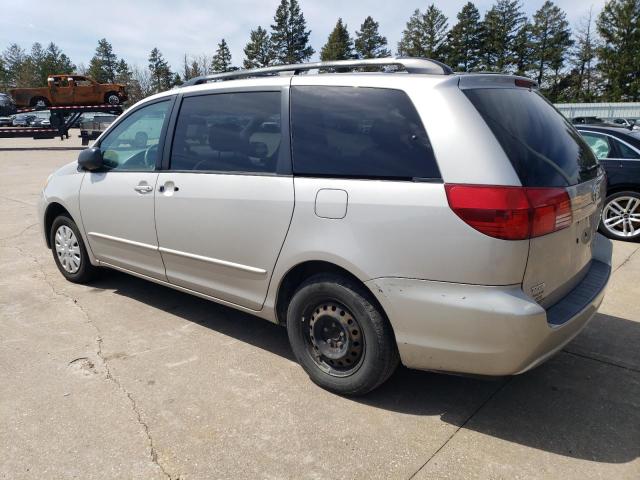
column 511, row 213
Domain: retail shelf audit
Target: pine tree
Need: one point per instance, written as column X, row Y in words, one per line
column 36, row 59
column 369, row 43
column 4, row 76
column 102, row 67
column 523, row 49
column 619, row 28
column 412, row 40
column 339, row 45
column 584, row 60
column 501, row 25
column 435, row 31
column 197, row 69
column 54, row 61
column 259, row 51
column 17, row 66
column 463, row 41
column 161, row 76
column 222, row 59
column 289, row 36
column 550, row 41
column 425, row 34
column 123, row 72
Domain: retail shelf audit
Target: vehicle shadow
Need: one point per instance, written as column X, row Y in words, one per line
column 576, row 405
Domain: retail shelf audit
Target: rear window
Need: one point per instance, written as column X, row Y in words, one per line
column 544, row 148
column 359, row 133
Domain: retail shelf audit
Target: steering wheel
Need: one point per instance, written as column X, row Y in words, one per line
column 152, row 151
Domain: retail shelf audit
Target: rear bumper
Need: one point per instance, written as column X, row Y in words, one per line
column 486, row 330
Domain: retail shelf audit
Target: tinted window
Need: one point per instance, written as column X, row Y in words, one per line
column 358, row 132
column 229, row 132
column 626, row 152
column 133, row 143
column 599, row 144
column 542, row 145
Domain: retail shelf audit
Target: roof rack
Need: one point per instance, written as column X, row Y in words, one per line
column 411, row 65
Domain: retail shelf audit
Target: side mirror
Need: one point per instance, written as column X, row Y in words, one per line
column 91, row 159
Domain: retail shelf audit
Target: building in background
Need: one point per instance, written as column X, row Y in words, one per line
column 601, row 110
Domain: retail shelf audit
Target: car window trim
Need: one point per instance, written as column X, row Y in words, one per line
column 614, row 146
column 283, row 165
column 161, row 139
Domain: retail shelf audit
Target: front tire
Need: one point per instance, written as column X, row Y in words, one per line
column 39, row 102
column 621, row 216
column 69, row 251
column 340, row 337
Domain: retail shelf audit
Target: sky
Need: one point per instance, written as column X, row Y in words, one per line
column 195, row 27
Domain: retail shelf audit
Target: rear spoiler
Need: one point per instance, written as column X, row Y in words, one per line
column 494, row 80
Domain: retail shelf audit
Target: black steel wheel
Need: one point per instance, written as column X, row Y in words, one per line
column 335, row 339
column 340, row 335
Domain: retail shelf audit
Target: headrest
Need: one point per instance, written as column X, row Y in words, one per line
column 227, row 138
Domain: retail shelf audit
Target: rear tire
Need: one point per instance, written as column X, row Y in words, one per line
column 69, row 251
column 340, row 336
column 112, row 98
column 621, row 216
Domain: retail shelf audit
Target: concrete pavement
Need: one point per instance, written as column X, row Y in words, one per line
column 129, row 379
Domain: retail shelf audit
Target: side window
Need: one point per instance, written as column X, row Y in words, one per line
column 133, row 143
column 626, row 152
column 359, row 133
column 599, row 144
column 228, row 132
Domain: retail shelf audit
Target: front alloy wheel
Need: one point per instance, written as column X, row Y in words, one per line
column 621, row 216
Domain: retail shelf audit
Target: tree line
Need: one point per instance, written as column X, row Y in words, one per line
column 598, row 60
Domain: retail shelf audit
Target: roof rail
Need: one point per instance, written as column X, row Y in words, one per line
column 411, row 65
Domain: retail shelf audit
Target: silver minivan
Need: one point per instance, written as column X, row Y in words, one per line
column 444, row 221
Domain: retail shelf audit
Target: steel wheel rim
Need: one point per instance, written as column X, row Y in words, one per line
column 114, row 100
column 334, row 338
column 621, row 216
column 67, row 249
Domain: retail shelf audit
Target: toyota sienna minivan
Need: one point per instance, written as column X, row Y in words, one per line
column 447, row 222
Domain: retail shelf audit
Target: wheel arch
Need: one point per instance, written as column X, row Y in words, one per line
column 625, row 187
column 296, row 275
column 34, row 99
column 54, row 210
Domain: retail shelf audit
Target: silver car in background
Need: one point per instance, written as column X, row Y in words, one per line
column 444, row 221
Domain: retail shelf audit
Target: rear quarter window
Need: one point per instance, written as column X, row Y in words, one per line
column 543, row 147
column 356, row 132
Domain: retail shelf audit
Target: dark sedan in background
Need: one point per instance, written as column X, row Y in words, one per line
column 7, row 105
column 618, row 150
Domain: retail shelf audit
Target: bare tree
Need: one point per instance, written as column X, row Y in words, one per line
column 584, row 58
column 141, row 84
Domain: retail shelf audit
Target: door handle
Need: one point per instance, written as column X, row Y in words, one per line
column 143, row 188
column 168, row 188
